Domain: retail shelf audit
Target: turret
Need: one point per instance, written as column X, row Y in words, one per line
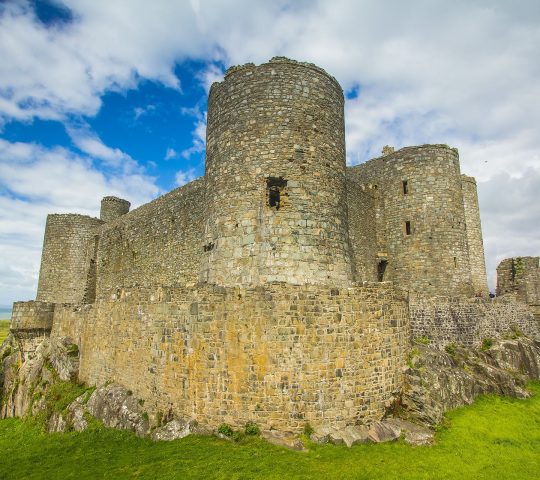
column 112, row 208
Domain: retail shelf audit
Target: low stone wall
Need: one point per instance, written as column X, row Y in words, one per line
column 280, row 355
column 468, row 322
column 31, row 322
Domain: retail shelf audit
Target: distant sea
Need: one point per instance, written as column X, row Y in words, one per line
column 5, row 313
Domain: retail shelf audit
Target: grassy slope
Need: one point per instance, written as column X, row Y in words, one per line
column 496, row 438
column 4, row 330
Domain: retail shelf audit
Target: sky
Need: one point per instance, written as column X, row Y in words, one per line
column 109, row 98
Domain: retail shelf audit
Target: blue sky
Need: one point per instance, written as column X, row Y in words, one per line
column 109, row 98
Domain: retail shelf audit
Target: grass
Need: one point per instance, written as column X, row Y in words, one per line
column 494, row 438
column 4, row 330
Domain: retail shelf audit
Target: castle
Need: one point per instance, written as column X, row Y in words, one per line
column 283, row 287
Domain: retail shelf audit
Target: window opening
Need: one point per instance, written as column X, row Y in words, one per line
column 381, row 269
column 407, row 228
column 275, row 186
column 455, row 262
column 405, row 185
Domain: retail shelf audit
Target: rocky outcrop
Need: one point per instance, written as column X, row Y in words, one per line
column 437, row 381
column 25, row 382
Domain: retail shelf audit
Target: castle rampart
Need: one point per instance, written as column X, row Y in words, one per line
column 160, row 243
column 279, row 355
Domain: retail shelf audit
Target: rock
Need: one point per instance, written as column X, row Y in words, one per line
column 117, row 408
column 353, row 435
column 438, row 381
column 350, row 435
column 414, row 434
column 383, row 432
column 174, row 430
column 322, row 434
column 284, row 439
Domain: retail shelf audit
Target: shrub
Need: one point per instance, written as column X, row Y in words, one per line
column 423, row 340
column 486, row 344
column 225, row 429
column 308, row 430
column 451, row 349
column 252, row 429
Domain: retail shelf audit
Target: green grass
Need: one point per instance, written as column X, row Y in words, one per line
column 496, row 438
column 4, row 330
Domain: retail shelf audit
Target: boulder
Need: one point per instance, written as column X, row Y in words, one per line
column 117, row 408
column 175, row 429
column 284, row 439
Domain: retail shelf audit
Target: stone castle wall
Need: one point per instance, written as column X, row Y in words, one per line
column 160, row 243
column 474, row 237
column 112, row 208
column 468, row 322
column 275, row 171
column 278, row 355
column 421, row 225
column 67, row 273
column 361, row 213
column 519, row 278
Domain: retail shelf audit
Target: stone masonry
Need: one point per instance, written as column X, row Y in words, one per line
column 282, row 287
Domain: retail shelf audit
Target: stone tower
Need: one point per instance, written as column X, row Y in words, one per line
column 474, row 236
column 275, row 178
column 420, row 219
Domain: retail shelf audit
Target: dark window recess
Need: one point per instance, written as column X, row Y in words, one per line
column 208, row 247
column 275, row 186
column 405, row 187
column 455, row 262
column 381, row 269
column 407, row 228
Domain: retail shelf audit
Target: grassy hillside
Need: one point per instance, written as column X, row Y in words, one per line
column 4, row 330
column 494, row 438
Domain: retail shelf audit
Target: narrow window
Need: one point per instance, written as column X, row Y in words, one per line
column 405, row 185
column 381, row 269
column 275, row 186
column 455, row 262
column 407, row 228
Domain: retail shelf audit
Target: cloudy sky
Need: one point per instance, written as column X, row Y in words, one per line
column 101, row 97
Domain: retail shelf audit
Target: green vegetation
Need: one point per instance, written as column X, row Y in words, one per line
column 487, row 343
column 4, row 330
column 494, row 438
column 423, row 340
column 451, row 349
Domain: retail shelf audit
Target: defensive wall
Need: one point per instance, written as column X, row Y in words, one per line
column 469, row 321
column 278, row 355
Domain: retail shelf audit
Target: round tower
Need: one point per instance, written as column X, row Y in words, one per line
column 275, row 172
column 420, row 218
column 67, row 263
column 112, row 208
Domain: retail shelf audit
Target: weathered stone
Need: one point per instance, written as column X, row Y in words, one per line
column 383, row 432
column 283, row 439
column 439, row 381
column 117, row 408
column 173, row 430
column 413, row 433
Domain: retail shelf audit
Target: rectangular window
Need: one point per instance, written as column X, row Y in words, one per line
column 407, row 228
column 405, row 185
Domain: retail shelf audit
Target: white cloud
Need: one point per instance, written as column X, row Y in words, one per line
column 36, row 181
column 171, row 153
column 88, row 142
column 185, row 176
